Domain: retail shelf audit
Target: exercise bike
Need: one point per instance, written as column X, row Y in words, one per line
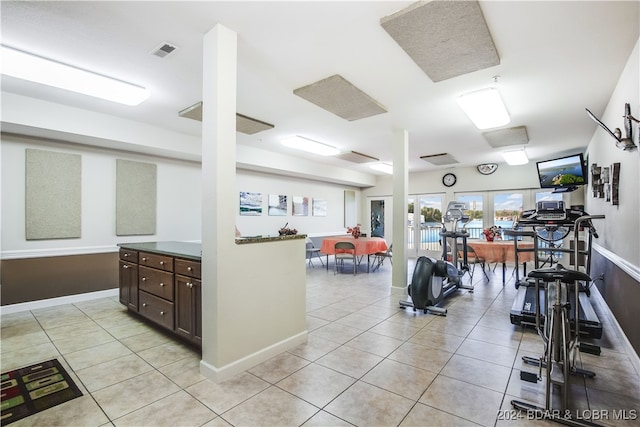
column 561, row 343
column 432, row 279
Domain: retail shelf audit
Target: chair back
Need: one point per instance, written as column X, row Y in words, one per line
column 343, row 247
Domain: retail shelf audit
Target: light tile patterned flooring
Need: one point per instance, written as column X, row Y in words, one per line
column 367, row 363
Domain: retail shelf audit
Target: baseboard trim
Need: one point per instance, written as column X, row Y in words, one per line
column 226, row 372
column 52, row 302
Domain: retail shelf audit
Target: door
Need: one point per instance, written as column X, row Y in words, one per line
column 426, row 223
column 377, row 218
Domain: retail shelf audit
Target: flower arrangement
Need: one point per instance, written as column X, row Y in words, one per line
column 492, row 233
column 285, row 231
column 354, row 231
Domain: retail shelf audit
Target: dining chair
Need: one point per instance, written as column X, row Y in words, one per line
column 345, row 251
column 473, row 258
column 312, row 251
column 379, row 257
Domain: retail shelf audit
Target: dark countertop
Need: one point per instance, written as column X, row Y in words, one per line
column 262, row 239
column 185, row 250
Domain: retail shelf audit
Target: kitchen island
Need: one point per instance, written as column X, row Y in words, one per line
column 161, row 281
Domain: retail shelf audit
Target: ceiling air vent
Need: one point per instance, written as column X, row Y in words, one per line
column 163, row 50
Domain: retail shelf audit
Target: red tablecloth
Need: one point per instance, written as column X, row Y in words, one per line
column 501, row 250
column 364, row 245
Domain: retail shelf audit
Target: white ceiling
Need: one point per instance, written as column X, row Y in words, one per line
column 556, row 58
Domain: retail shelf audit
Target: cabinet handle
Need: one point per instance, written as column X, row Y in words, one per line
column 125, row 266
column 144, row 258
column 144, row 304
column 162, row 313
column 144, row 279
column 190, row 285
column 126, row 255
column 189, row 269
column 161, row 262
column 161, row 284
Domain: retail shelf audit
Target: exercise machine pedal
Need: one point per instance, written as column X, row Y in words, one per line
column 590, row 348
column 531, row 377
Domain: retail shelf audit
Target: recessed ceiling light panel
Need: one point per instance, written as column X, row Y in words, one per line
column 515, row 157
column 25, row 66
column 485, row 108
column 382, row 167
column 310, row 146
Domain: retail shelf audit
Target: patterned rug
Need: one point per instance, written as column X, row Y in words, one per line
column 35, row 388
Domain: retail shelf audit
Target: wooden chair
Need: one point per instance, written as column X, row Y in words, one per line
column 345, row 251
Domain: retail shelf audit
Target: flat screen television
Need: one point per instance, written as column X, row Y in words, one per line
column 562, row 174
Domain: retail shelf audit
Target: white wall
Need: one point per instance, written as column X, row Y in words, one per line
column 178, row 200
column 273, row 184
column 621, row 229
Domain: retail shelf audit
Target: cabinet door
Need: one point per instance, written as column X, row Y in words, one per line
column 187, row 294
column 129, row 285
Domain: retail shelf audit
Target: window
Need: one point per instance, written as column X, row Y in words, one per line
column 507, row 207
column 475, row 212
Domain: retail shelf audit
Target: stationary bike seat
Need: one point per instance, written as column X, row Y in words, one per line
column 558, row 273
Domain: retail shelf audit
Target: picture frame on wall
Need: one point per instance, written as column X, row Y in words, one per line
column 300, row 206
column 319, row 207
column 250, row 203
column 277, row 205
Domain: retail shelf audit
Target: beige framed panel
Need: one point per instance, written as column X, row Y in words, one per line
column 349, row 208
column 53, row 186
column 136, row 197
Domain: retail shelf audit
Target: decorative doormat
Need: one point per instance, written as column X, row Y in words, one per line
column 32, row 389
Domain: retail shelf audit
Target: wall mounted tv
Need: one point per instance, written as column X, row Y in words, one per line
column 563, row 174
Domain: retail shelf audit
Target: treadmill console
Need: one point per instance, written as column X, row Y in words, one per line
column 550, row 212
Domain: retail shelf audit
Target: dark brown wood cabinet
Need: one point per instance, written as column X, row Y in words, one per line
column 129, row 279
column 163, row 286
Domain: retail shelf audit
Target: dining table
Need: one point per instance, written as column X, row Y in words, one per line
column 503, row 251
column 364, row 246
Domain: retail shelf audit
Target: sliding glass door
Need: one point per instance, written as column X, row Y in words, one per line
column 424, row 222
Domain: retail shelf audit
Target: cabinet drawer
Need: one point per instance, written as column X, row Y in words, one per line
column 162, row 262
column 156, row 309
column 187, row 268
column 128, row 255
column 156, row 282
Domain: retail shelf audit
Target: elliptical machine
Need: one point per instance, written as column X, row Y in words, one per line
column 432, row 279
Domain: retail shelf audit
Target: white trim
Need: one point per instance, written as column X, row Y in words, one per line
column 327, row 234
column 52, row 302
column 226, row 372
column 53, row 252
column 623, row 264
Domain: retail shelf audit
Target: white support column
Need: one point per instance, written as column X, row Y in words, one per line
column 253, row 294
column 400, row 194
column 219, row 196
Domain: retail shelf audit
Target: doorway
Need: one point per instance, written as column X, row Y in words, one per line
column 377, row 218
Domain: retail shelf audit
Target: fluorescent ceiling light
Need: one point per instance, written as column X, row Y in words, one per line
column 382, row 167
column 25, row 66
column 514, row 158
column 305, row 144
column 485, row 108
